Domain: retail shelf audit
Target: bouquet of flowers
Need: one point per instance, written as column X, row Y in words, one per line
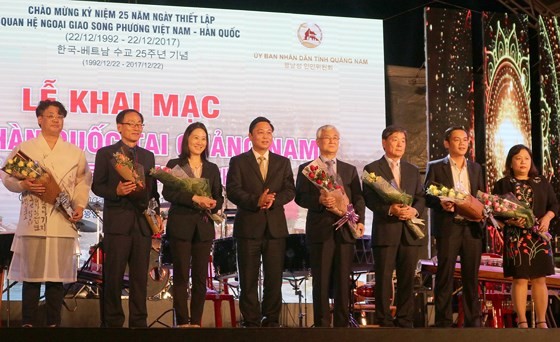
column 507, row 206
column 128, row 169
column 23, row 167
column 392, row 195
column 318, row 175
column 152, row 216
column 466, row 205
column 177, row 179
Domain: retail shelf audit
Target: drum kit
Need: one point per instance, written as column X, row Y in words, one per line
column 160, row 271
column 224, row 261
column 90, row 275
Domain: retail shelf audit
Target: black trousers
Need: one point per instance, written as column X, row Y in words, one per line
column 403, row 258
column 461, row 243
column 190, row 256
column 249, row 253
column 122, row 250
column 54, row 295
column 331, row 262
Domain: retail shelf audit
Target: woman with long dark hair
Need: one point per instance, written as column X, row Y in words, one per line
column 189, row 228
column 527, row 255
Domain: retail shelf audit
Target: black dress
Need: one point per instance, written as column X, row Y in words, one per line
column 526, row 254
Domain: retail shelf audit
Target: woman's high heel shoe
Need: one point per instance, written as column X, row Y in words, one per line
column 542, row 325
column 522, row 325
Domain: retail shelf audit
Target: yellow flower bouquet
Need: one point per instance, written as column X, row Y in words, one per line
column 22, row 167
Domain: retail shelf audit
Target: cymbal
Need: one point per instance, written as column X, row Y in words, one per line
column 95, row 205
column 86, row 226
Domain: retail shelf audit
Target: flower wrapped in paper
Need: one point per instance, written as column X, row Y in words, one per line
column 154, row 221
column 508, row 207
column 317, row 174
column 23, row 167
column 177, row 179
column 466, row 205
column 391, row 195
column 128, row 169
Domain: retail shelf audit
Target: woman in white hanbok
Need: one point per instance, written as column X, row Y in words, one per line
column 46, row 240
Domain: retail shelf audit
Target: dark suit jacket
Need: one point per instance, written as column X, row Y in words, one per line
column 387, row 230
column 245, row 185
column 121, row 212
column 439, row 171
column 185, row 218
column 319, row 224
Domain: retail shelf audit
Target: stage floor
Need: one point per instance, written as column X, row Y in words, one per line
column 277, row 334
column 85, row 313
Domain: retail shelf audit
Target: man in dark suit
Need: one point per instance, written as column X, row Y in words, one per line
column 330, row 251
column 127, row 235
column 454, row 234
column 392, row 242
column 260, row 183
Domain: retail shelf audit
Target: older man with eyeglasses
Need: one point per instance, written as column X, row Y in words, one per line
column 331, row 249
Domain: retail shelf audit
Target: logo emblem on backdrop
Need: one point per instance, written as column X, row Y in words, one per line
column 310, row 35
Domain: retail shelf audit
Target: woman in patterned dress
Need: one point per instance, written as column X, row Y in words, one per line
column 527, row 255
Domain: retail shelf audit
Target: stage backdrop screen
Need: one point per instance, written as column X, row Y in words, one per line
column 178, row 65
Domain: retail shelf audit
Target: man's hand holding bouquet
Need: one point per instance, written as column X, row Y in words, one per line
column 399, row 200
column 180, row 180
column 130, row 171
column 333, row 196
column 39, row 181
column 460, row 202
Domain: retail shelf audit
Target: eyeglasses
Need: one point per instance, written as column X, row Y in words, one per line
column 52, row 117
column 133, row 125
column 330, row 138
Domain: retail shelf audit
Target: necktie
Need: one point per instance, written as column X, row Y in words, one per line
column 396, row 173
column 133, row 154
column 262, row 166
column 330, row 167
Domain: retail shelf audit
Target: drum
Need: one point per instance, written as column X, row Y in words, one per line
column 158, row 277
column 224, row 258
column 296, row 259
column 96, row 261
column 363, row 255
column 365, row 291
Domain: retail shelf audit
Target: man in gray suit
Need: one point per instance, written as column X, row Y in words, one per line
column 330, row 251
column 260, row 183
column 393, row 244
